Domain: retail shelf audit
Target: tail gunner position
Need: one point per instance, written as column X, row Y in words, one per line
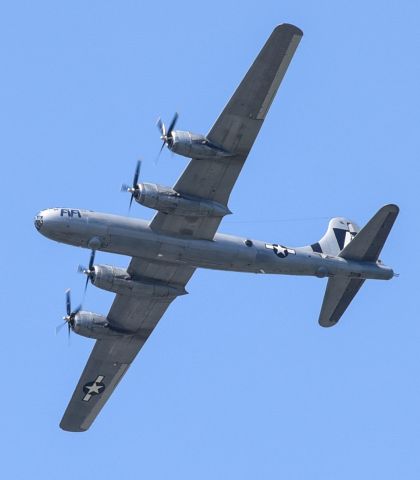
column 183, row 236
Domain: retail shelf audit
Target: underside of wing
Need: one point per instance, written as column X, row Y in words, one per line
column 107, row 364
column 111, row 357
column 235, row 131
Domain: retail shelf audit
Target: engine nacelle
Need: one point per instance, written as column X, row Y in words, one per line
column 92, row 325
column 192, row 145
column 117, row 280
column 167, row 200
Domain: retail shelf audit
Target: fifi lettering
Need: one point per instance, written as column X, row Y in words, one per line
column 70, row 213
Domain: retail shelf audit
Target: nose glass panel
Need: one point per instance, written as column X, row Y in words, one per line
column 38, row 221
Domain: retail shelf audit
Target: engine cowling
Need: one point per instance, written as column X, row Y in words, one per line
column 93, row 325
column 167, row 200
column 118, row 280
column 193, row 145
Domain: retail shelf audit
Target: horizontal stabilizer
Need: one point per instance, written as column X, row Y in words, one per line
column 366, row 246
column 338, row 295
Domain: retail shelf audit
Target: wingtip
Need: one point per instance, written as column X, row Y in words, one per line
column 390, row 208
column 393, row 207
column 71, row 428
column 289, row 28
column 327, row 322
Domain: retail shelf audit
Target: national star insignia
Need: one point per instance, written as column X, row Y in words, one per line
column 280, row 250
column 93, row 388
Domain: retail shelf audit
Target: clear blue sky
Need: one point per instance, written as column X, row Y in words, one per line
column 238, row 380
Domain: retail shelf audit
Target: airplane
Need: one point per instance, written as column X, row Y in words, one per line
column 183, row 236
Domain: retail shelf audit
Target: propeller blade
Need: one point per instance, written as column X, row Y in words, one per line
column 161, row 127
column 92, row 259
column 86, row 285
column 173, row 123
column 136, row 174
column 68, row 302
column 134, row 188
column 165, row 134
column 69, row 318
column 76, row 311
column 88, row 271
column 160, row 151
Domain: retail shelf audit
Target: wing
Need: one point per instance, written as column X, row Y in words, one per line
column 235, row 130
column 110, row 358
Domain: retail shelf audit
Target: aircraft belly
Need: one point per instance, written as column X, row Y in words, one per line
column 129, row 237
column 135, row 246
column 268, row 261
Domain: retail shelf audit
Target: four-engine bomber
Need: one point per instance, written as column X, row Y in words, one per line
column 183, row 235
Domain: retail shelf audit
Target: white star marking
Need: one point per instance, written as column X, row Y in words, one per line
column 279, row 250
column 93, row 389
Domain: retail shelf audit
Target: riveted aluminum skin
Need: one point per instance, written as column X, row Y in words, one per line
column 196, row 146
column 167, row 200
column 117, row 280
column 93, row 325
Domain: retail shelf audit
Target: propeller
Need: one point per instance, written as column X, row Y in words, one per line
column 89, row 271
column 69, row 318
column 166, row 135
column 135, row 187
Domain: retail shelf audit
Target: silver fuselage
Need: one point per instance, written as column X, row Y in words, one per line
column 133, row 237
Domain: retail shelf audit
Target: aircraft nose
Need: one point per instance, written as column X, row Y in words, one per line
column 39, row 220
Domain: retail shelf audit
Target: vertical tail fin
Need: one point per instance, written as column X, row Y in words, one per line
column 339, row 234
